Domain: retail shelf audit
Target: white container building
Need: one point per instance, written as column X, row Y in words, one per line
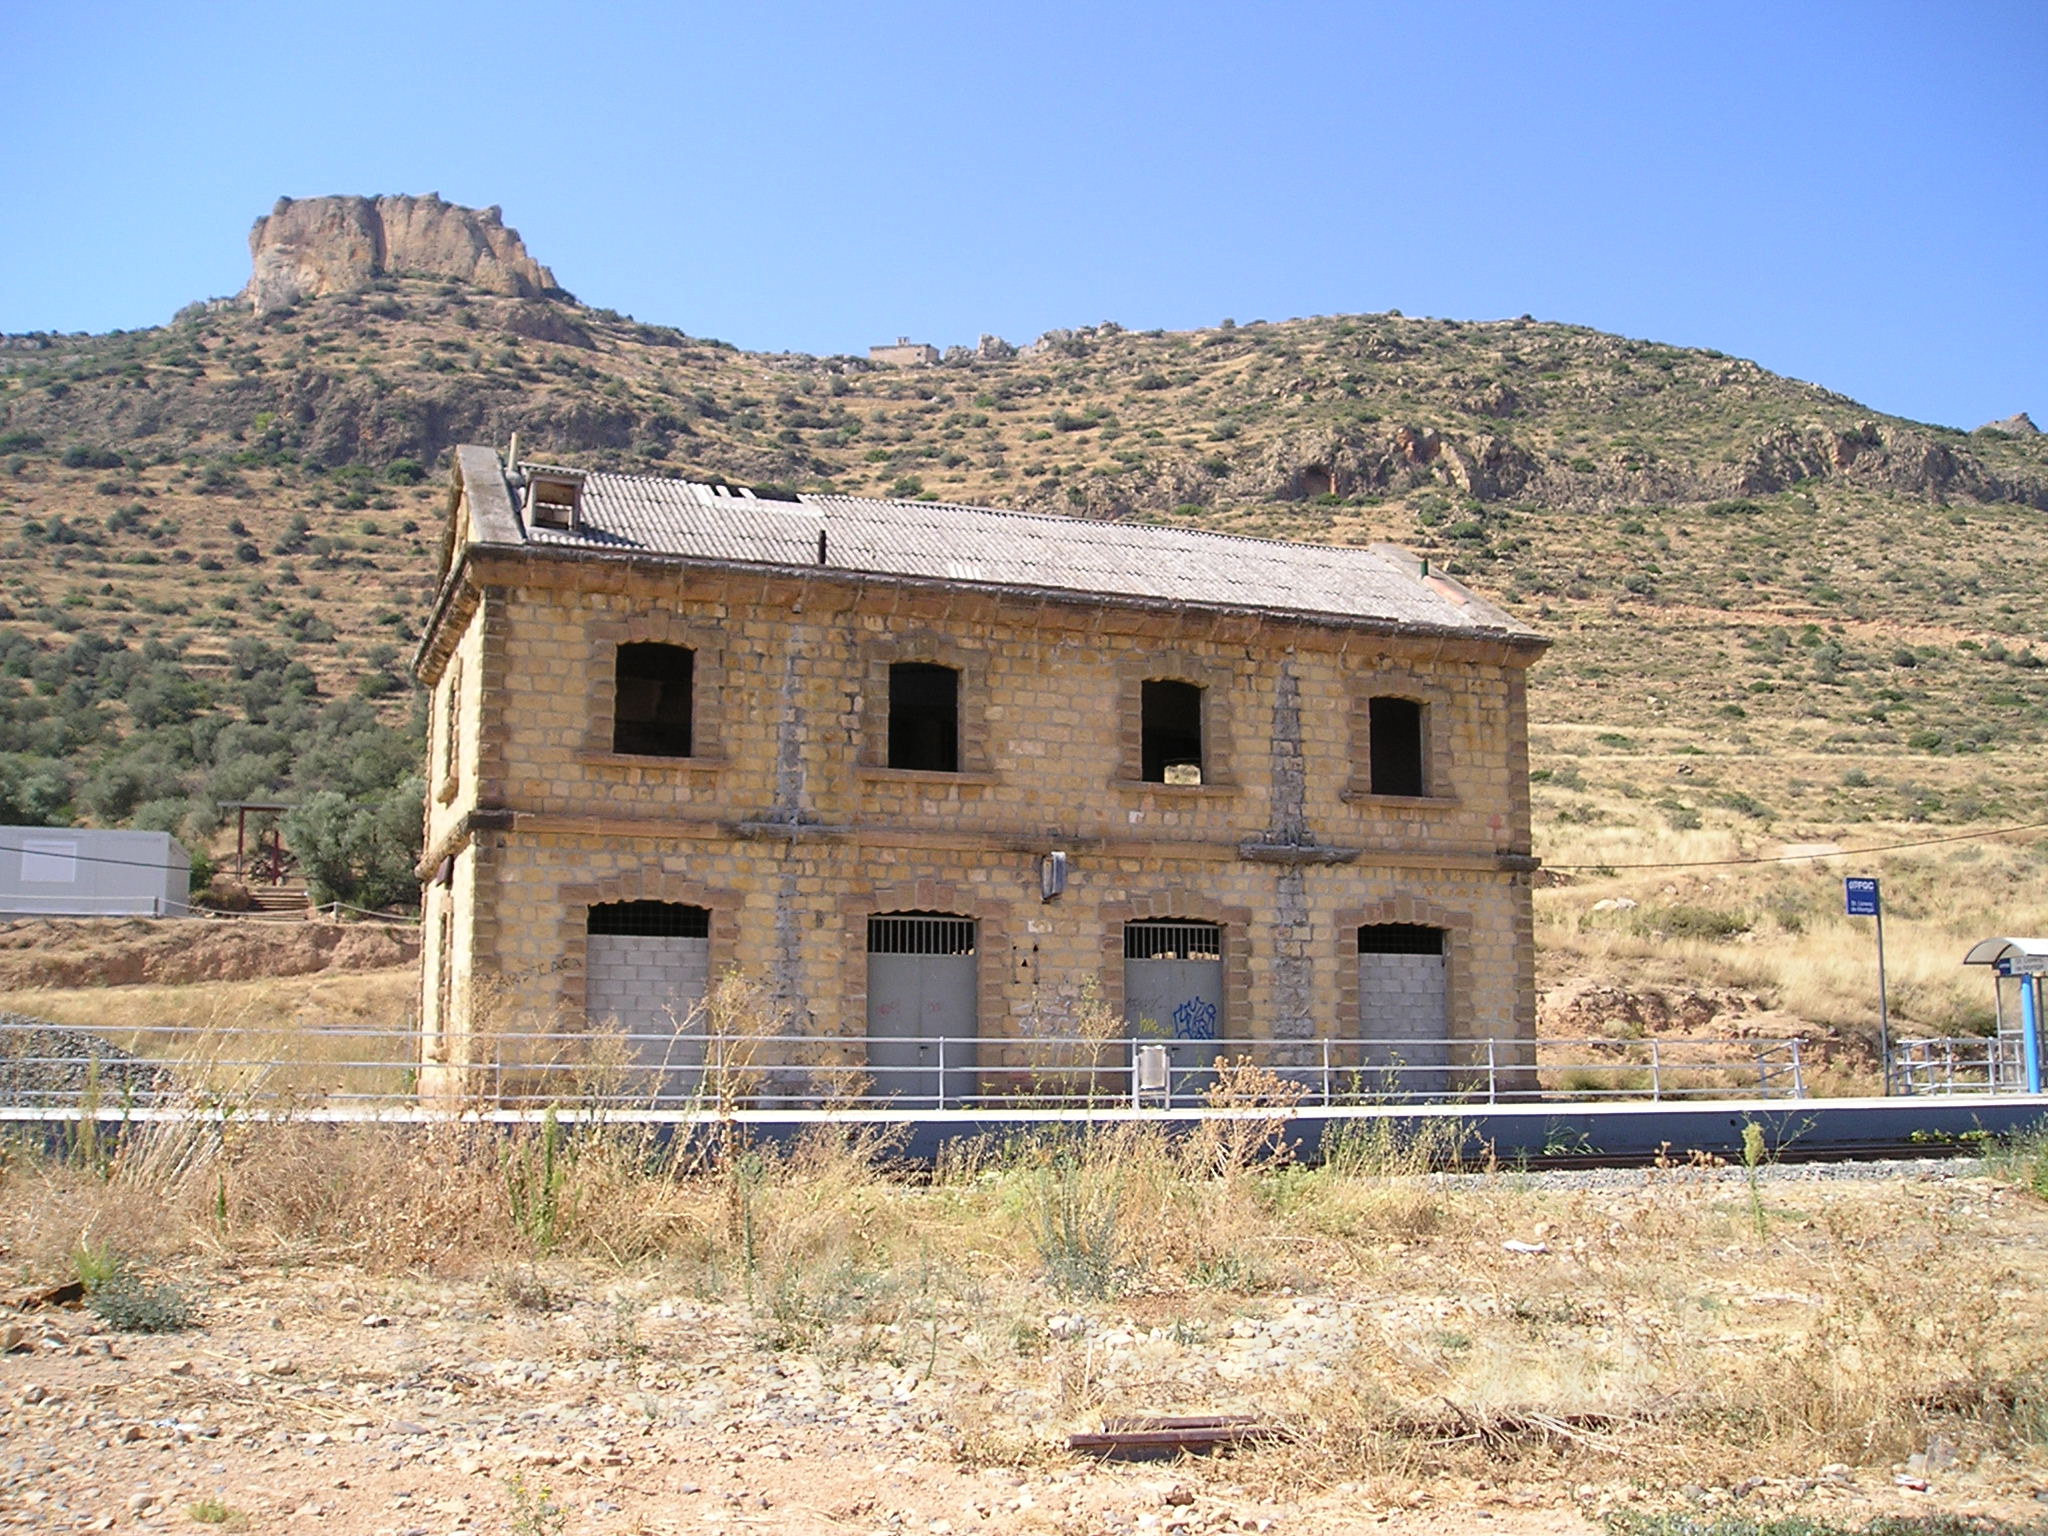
column 92, row 872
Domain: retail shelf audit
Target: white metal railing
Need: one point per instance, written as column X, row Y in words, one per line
column 1943, row 1064
column 45, row 1066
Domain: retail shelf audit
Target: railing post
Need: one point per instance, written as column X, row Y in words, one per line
column 1326, row 1071
column 1656, row 1071
column 1798, row 1073
column 1492, row 1072
column 941, row 1104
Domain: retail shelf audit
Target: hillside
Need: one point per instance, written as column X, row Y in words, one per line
column 1780, row 614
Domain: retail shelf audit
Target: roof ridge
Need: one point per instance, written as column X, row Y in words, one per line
column 811, row 498
column 1064, row 517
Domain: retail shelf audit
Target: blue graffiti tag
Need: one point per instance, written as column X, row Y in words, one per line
column 1195, row 1019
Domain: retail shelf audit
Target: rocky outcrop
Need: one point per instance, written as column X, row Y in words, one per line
column 320, row 245
column 1891, row 455
column 2019, row 424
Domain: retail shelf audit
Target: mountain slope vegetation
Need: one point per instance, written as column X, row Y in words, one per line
column 1779, row 613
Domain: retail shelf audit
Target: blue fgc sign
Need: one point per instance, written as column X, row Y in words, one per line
column 1861, row 896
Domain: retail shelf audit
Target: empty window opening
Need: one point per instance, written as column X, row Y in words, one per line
column 1396, row 729
column 1168, row 939
column 1400, row 939
column 650, row 920
column 1170, row 744
column 920, row 933
column 651, row 711
column 924, row 717
column 451, row 722
column 444, row 978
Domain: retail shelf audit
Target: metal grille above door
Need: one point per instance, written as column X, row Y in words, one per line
column 920, row 933
column 1165, row 939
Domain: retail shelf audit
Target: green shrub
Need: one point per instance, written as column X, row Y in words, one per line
column 358, row 853
column 125, row 1301
column 80, row 456
column 1687, row 920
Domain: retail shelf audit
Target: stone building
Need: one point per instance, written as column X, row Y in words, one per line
column 904, row 353
column 931, row 772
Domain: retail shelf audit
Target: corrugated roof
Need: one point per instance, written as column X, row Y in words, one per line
column 1991, row 951
column 1038, row 551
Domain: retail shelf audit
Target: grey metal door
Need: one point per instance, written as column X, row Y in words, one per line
column 921, row 1007
column 647, row 965
column 1403, row 1011
column 1173, row 991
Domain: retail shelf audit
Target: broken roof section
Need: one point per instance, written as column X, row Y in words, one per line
column 1040, row 553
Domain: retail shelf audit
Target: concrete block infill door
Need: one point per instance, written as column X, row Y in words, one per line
column 647, row 965
column 1404, row 1015
column 1173, row 991
column 922, row 1022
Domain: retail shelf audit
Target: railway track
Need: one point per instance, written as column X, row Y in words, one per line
column 1536, row 1136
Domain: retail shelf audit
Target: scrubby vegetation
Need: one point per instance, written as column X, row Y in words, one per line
column 1779, row 614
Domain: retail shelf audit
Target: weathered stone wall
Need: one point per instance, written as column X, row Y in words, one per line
column 790, row 829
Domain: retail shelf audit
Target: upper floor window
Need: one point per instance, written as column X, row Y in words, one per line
column 651, row 705
column 924, row 717
column 1170, row 732
column 449, row 753
column 1395, row 732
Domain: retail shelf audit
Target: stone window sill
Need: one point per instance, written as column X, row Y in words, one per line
column 1189, row 791
column 602, row 759
column 928, row 776
column 1358, row 795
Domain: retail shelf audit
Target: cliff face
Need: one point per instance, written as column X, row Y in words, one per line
column 320, row 245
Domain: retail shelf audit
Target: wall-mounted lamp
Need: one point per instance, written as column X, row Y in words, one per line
column 1052, row 875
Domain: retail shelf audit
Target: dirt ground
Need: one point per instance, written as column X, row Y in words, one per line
column 129, row 951
column 576, row 1397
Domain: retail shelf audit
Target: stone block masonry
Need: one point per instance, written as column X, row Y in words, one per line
column 789, row 827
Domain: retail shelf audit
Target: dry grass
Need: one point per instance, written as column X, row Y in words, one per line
column 1776, row 932
column 1670, row 1333
column 283, row 1035
column 379, row 999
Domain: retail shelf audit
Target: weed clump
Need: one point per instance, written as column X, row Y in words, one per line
column 126, row 1301
column 2021, row 1159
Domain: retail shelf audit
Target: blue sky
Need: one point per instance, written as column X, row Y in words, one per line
column 1849, row 193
